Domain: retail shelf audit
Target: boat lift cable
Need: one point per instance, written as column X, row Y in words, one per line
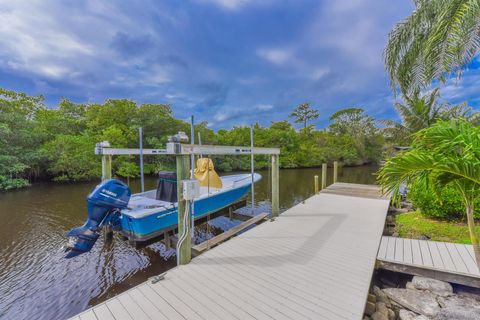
column 192, row 170
column 252, row 169
column 142, row 181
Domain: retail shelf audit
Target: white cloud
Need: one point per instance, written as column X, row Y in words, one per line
column 264, row 107
column 319, row 73
column 275, row 55
column 32, row 40
column 229, row 4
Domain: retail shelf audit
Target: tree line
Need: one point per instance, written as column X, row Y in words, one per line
column 40, row 143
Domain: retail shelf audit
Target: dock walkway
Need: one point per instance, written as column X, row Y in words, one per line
column 453, row 262
column 315, row 261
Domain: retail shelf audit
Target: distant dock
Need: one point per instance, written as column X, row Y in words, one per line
column 314, row 261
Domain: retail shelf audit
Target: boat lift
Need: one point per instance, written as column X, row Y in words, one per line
column 184, row 153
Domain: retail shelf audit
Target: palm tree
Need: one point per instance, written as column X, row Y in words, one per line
column 447, row 153
column 435, row 42
column 421, row 111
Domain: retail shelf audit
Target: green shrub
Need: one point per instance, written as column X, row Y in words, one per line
column 448, row 205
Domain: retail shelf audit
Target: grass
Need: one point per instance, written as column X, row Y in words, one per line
column 414, row 224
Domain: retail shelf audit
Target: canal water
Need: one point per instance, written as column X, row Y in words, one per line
column 37, row 282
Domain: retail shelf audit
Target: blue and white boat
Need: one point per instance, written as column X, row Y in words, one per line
column 143, row 216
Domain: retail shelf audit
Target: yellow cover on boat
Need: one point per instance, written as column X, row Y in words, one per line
column 206, row 175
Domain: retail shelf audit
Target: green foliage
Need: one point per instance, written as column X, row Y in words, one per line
column 354, row 124
column 71, row 158
column 421, row 111
column 436, row 41
column 447, row 154
column 58, row 143
column 304, row 113
column 414, row 224
column 448, row 204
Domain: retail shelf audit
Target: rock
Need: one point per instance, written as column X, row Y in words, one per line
column 395, row 234
column 381, row 296
column 379, row 316
column 457, row 314
column 438, row 287
column 390, row 219
column 458, row 307
column 409, row 315
column 410, row 285
column 406, row 315
column 381, row 307
column 391, row 314
column 421, row 302
column 424, row 237
column 370, row 308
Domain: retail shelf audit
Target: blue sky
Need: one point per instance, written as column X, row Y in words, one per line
column 230, row 62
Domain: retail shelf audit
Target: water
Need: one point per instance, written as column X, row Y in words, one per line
column 37, row 282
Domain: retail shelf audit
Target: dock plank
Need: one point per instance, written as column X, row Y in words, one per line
column 117, row 310
column 89, row 315
column 102, row 312
column 407, row 251
column 399, row 249
column 315, row 261
column 435, row 254
column 451, row 258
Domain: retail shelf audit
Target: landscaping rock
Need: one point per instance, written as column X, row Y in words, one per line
column 381, row 296
column 409, row 315
column 421, row 302
column 391, row 314
column 382, row 308
column 395, row 234
column 424, row 237
column 457, row 314
column 410, row 285
column 379, row 316
column 458, row 307
column 438, row 287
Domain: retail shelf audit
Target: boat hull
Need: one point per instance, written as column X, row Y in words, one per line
column 153, row 225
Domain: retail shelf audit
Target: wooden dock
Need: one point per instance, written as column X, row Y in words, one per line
column 315, row 261
column 445, row 261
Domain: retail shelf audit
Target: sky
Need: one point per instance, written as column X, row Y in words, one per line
column 228, row 62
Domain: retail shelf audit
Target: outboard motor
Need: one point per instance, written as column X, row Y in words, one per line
column 103, row 202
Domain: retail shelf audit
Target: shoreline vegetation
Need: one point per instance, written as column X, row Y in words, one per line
column 56, row 144
column 414, row 225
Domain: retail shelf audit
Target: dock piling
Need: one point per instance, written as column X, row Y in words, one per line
column 335, row 171
column 183, row 173
column 106, row 167
column 324, row 176
column 317, row 190
column 275, row 185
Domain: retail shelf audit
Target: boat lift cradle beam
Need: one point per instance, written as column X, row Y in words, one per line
column 188, row 149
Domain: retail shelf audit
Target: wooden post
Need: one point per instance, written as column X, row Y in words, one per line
column 106, row 167
column 275, row 185
column 315, row 178
column 166, row 240
column 335, row 171
column 324, row 176
column 183, row 173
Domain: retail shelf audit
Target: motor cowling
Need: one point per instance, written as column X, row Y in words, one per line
column 107, row 198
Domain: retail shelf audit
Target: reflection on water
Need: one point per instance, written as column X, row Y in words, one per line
column 37, row 282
